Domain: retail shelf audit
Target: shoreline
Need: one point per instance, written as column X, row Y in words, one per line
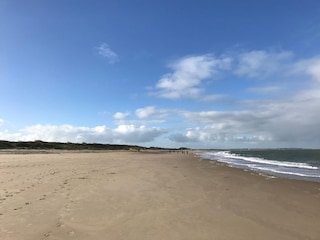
column 268, row 170
column 149, row 195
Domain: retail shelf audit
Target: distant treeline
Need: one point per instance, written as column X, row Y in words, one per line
column 64, row 146
column 33, row 145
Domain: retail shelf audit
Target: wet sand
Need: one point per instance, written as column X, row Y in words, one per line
column 148, row 195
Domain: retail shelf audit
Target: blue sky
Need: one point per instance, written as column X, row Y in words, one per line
column 199, row 74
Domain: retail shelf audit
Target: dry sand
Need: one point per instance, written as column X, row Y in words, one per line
column 148, row 195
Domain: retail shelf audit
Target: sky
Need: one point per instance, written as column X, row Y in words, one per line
column 197, row 74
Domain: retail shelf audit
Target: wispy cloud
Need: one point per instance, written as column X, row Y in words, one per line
column 260, row 64
column 310, row 67
column 188, row 74
column 264, row 90
column 105, row 51
column 156, row 114
column 146, row 116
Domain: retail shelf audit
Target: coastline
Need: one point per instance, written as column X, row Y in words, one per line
column 297, row 164
column 148, row 195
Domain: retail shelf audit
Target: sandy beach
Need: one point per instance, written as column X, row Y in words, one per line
column 148, row 195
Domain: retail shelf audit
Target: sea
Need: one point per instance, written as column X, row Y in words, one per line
column 302, row 164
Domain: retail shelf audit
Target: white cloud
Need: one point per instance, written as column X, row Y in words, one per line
column 1, row 122
column 314, row 69
column 126, row 134
column 188, row 74
column 120, row 115
column 259, row 64
column 133, row 134
column 154, row 113
column 105, row 51
column 145, row 112
column 310, row 67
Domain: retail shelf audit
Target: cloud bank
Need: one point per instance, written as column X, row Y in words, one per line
column 290, row 123
column 123, row 134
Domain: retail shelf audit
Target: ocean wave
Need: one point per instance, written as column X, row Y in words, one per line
column 271, row 167
column 288, row 172
column 228, row 155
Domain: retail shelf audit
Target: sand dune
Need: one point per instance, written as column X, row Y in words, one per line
column 148, row 195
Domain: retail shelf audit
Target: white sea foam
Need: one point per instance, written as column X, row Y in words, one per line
column 287, row 172
column 228, row 155
column 271, row 167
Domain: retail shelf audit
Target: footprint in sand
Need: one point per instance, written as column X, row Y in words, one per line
column 47, row 234
column 60, row 225
column 43, row 197
column 82, row 178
